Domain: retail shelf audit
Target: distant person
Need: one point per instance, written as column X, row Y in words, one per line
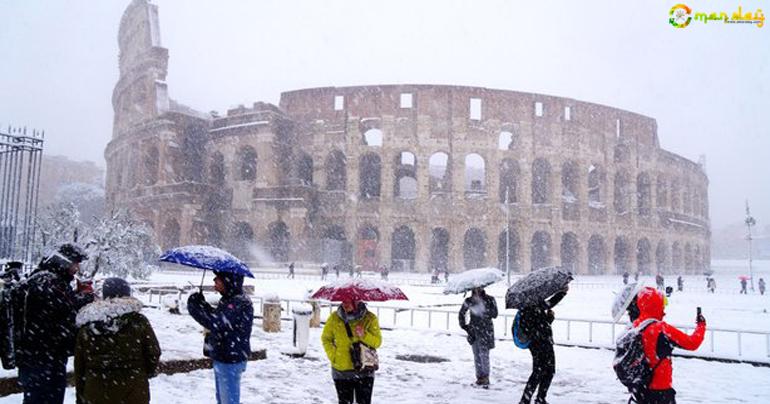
column 359, row 270
column 337, row 270
column 743, row 286
column 636, row 276
column 625, row 278
column 660, row 282
column 384, row 272
column 679, row 283
column 711, row 285
column 446, row 275
column 291, row 271
column 350, row 270
column 481, row 331
column 761, row 286
column 324, row 270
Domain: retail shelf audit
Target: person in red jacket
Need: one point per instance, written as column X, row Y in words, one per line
column 658, row 340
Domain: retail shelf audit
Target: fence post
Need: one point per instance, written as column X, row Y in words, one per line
column 411, row 318
column 739, row 344
column 395, row 322
column 767, row 345
column 430, row 318
column 569, row 323
column 590, row 331
column 712, row 341
column 447, row 321
column 613, row 332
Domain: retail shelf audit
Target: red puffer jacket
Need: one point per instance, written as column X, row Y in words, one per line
column 659, row 337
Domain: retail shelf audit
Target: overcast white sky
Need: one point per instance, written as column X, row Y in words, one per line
column 708, row 85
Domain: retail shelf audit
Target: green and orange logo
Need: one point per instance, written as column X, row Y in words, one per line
column 680, row 16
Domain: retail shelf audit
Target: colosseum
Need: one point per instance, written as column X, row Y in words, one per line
column 415, row 177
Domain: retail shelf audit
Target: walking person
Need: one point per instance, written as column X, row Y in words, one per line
column 324, row 270
column 337, row 270
column 481, row 331
column 658, row 340
column 116, row 350
column 660, row 282
column 44, row 318
column 625, row 278
column 743, row 286
column 350, row 323
column 761, row 286
column 679, row 283
column 291, row 271
column 535, row 323
column 229, row 330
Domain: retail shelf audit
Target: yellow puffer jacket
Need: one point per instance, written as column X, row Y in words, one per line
column 337, row 344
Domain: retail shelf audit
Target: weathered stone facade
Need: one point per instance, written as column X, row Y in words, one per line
column 414, row 176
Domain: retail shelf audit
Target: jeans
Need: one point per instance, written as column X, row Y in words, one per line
column 481, row 359
column 360, row 388
column 543, row 368
column 44, row 383
column 227, row 377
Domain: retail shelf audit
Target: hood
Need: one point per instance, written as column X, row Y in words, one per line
column 356, row 315
column 650, row 303
column 233, row 283
column 104, row 316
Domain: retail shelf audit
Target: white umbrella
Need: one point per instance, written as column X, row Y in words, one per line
column 623, row 298
column 471, row 279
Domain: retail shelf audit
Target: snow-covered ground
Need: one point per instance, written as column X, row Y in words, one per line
column 583, row 375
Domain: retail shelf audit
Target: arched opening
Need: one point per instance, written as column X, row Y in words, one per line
column 661, row 258
column 643, row 256
column 334, row 232
column 661, row 192
column 438, row 170
column 688, row 259
column 216, row 169
column 170, row 234
column 621, row 193
column 305, row 169
column 676, row 194
column 509, row 174
column 151, row 164
column 570, row 252
column 279, row 241
column 621, row 154
column 569, row 191
column 597, row 255
column 541, row 171
column 622, row 255
column 686, row 199
column 595, row 186
column 474, row 248
column 540, row 250
column 405, row 173
column 369, row 176
column 512, row 244
column 240, row 240
column 367, row 248
column 247, row 164
column 336, row 174
column 698, row 266
column 475, row 174
column 373, row 137
column 676, row 258
column 402, row 249
column 643, row 194
column 439, row 249
column 505, row 141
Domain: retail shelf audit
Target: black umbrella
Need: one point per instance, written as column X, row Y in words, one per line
column 537, row 286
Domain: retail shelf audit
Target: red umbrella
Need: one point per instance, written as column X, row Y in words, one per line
column 744, row 277
column 359, row 289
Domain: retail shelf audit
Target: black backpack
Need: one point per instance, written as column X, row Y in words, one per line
column 630, row 363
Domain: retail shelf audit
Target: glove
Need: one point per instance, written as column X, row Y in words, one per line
column 86, row 287
column 196, row 298
column 700, row 319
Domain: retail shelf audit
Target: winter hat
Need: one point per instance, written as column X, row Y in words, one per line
column 115, row 287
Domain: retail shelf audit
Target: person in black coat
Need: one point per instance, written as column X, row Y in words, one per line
column 481, row 332
column 228, row 333
column 535, row 323
column 44, row 326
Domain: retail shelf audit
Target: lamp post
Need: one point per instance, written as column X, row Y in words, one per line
column 750, row 221
column 507, row 239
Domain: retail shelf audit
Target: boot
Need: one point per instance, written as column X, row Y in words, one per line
column 483, row 382
column 540, row 401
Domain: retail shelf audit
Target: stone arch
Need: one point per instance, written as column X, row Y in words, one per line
column 688, row 259
column 643, row 194
column 151, row 165
column 475, row 174
column 509, row 179
column 643, row 256
column 336, row 171
column 247, row 164
column 621, row 193
column 240, row 239
column 474, row 248
column 171, row 233
column 402, row 248
column 595, row 185
column 622, row 255
column 279, row 240
column 676, row 258
column 334, row 232
column 597, row 255
column 570, row 180
column 541, row 173
column 540, row 250
column 305, row 169
column 405, row 176
column 686, row 199
column 676, row 195
column 216, row 172
column 661, row 192
column 661, row 258
column 570, row 251
column 439, row 249
column 369, row 170
column 513, row 244
column 373, row 137
column 438, row 170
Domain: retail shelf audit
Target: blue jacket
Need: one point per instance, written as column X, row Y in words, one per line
column 229, row 326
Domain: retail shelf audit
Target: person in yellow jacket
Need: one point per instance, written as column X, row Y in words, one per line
column 351, row 384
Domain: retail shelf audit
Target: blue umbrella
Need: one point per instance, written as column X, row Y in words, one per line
column 206, row 257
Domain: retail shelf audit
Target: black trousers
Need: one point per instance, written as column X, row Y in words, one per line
column 360, row 389
column 44, row 383
column 543, row 369
column 654, row 397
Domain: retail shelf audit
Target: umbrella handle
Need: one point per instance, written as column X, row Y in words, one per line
column 200, row 288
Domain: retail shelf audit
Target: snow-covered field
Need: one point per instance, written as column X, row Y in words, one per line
column 583, row 375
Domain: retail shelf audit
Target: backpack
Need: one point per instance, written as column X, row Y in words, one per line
column 520, row 339
column 630, row 363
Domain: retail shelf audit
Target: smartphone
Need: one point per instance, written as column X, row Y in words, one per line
column 699, row 311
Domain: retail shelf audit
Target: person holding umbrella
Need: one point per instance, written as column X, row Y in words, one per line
column 481, row 331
